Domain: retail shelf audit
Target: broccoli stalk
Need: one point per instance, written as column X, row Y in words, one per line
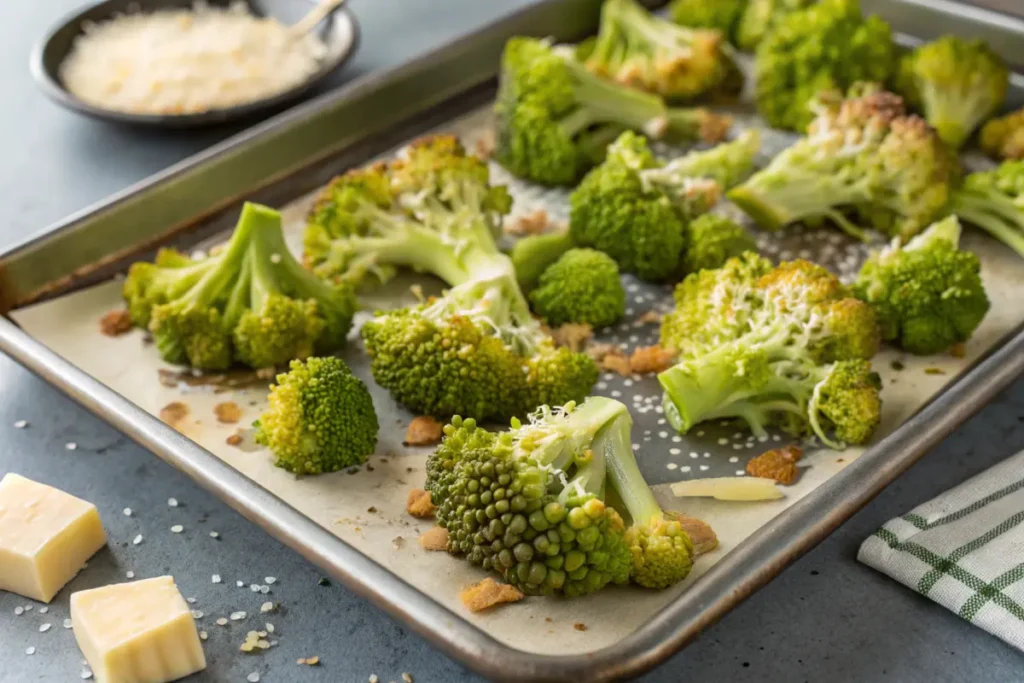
column 641, row 50
column 555, row 117
column 994, row 201
column 862, row 155
column 957, row 84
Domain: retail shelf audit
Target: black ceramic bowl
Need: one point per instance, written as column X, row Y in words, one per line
column 339, row 32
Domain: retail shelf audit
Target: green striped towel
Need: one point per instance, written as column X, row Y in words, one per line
column 964, row 550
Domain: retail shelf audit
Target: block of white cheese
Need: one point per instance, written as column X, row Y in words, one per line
column 137, row 632
column 46, row 537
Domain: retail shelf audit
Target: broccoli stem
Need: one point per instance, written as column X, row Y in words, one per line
column 602, row 101
column 624, row 475
column 231, row 260
column 774, row 204
column 995, row 214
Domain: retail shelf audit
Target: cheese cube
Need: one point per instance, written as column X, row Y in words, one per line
column 46, row 536
column 138, row 632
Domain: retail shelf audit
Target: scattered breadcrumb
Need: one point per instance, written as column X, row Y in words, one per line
column 650, row 317
column 308, row 661
column 701, row 534
column 266, row 373
column 573, row 336
column 234, row 440
column 958, row 350
column 174, row 413
column 434, row 538
column 713, row 129
column 423, row 431
column 529, row 224
column 489, row 593
column 228, row 412
column 418, row 504
column 116, row 323
column 610, row 357
column 398, row 542
column 650, row 359
column 778, row 464
column 580, row 626
column 485, row 145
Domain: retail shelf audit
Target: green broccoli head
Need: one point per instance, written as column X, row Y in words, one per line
column 475, row 351
column 532, row 255
column 555, row 118
column 760, row 17
column 250, row 302
column 1003, row 137
column 529, row 503
column 582, row 286
column 641, row 50
column 720, row 15
column 319, row 418
column 928, row 294
column 862, row 155
column 956, row 83
column 635, row 208
column 768, row 346
column 791, row 68
column 994, row 201
column 711, row 240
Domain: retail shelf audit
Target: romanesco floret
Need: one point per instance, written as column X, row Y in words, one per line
column 760, row 17
column 475, row 351
column 1003, row 137
column 786, row 346
column 828, row 46
column 956, row 83
column 994, row 201
column 721, row 15
column 319, row 418
column 251, row 302
column 532, row 255
column 928, row 294
column 555, row 117
column 862, row 155
column 638, row 49
column 711, row 240
column 529, row 503
column 635, row 208
column 582, row 286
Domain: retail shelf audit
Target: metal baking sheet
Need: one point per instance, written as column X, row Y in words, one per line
column 313, row 514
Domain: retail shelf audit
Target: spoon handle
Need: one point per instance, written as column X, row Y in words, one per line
column 315, row 16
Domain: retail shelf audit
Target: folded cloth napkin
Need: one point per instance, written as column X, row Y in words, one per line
column 964, row 550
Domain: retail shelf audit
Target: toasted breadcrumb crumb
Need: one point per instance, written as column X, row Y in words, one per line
column 958, row 350
column 418, row 504
column 529, row 224
column 580, row 626
column 609, row 357
column 116, row 323
column 650, row 317
column 227, row 412
column 434, row 538
column 174, row 413
column 714, row 129
column 234, row 440
column 701, row 534
column 650, row 359
column 778, row 464
column 423, row 431
column 485, row 145
column 574, row 336
column 489, row 593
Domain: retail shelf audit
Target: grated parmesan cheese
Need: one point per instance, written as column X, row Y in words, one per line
column 187, row 61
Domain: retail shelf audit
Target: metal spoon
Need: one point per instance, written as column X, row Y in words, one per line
column 315, row 16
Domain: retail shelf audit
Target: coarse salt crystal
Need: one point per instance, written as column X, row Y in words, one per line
column 137, row 540
column 43, row 628
column 20, row 424
column 127, row 512
column 172, row 502
column 215, row 578
column 177, row 529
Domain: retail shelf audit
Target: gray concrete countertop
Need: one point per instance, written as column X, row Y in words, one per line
column 825, row 618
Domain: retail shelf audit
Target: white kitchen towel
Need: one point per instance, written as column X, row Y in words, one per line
column 964, row 550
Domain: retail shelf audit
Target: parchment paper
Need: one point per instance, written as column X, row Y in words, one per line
column 341, row 502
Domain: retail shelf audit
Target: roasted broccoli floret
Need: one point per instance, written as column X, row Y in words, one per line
column 760, row 17
column 721, row 15
column 529, row 503
column 863, row 155
column 475, row 351
column 956, row 83
column 786, row 346
column 555, row 117
column 251, row 301
column 994, row 201
column 711, row 240
column 635, row 208
column 1003, row 137
column 928, row 294
column 827, row 46
column 532, row 255
column 641, row 50
column 319, row 418
column 582, row 286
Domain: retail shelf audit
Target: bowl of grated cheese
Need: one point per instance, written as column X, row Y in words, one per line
column 186, row 63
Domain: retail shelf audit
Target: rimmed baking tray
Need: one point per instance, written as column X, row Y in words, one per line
column 296, row 152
